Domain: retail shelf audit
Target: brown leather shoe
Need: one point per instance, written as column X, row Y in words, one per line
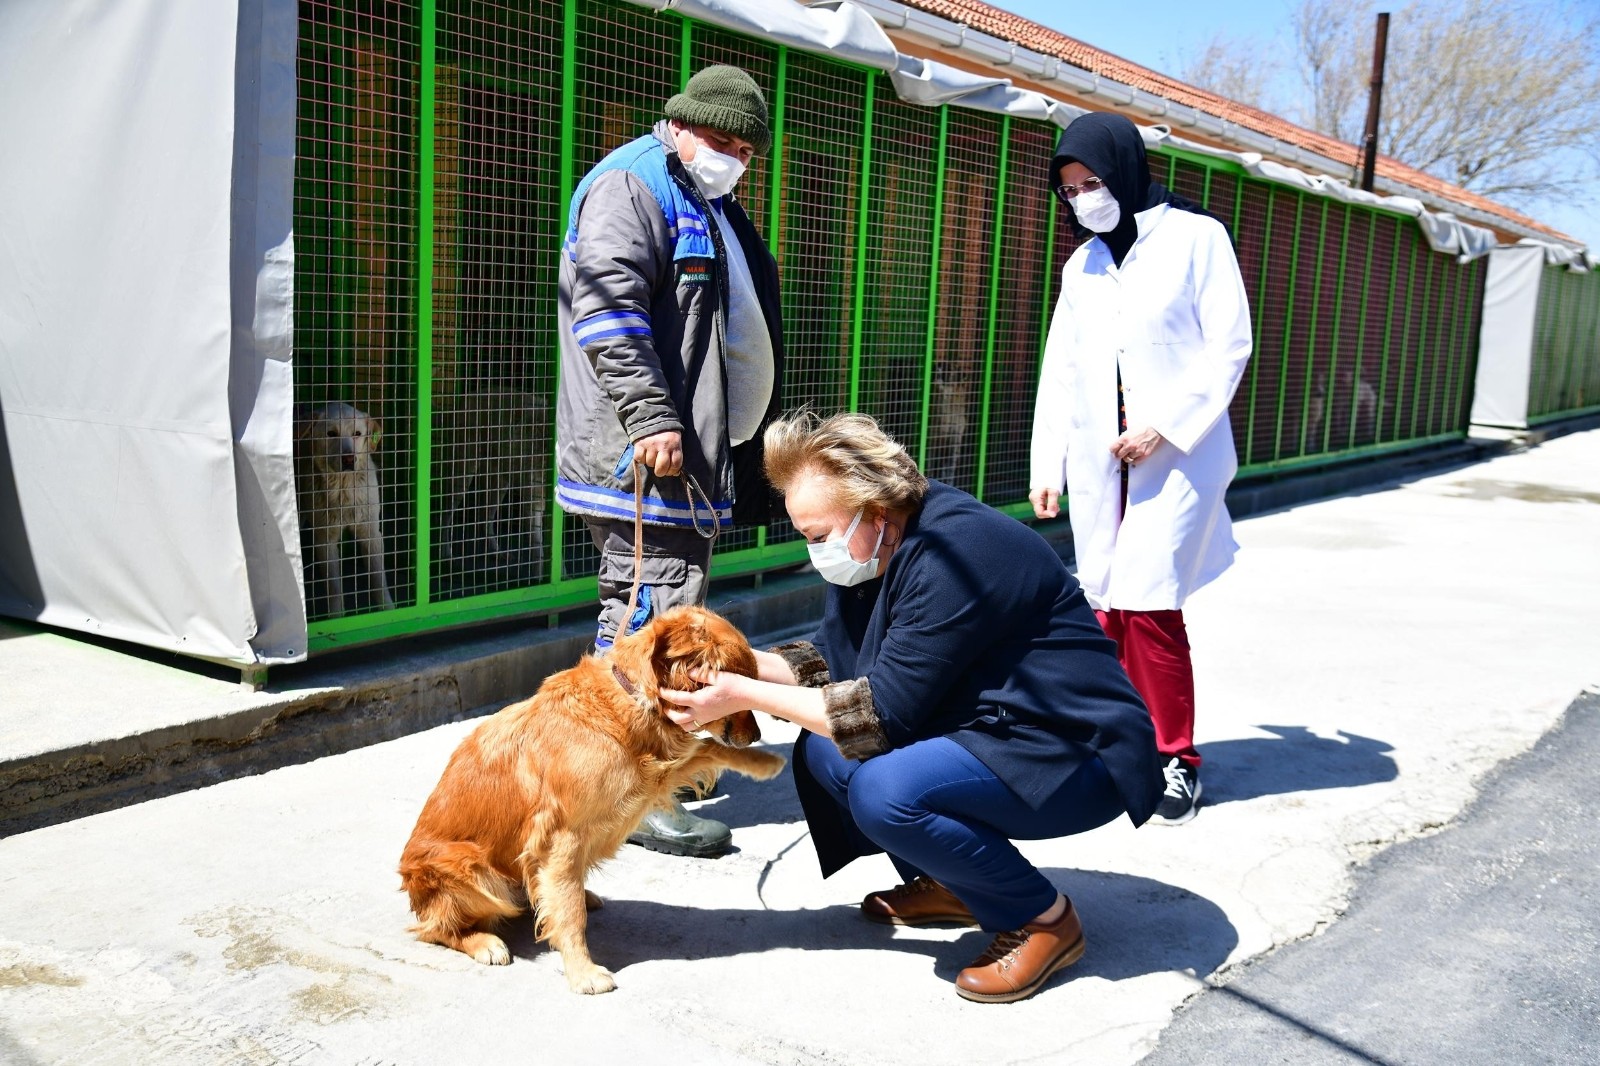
column 922, row 902
column 1018, row 963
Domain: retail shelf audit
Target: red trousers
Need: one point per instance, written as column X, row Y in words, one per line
column 1154, row 649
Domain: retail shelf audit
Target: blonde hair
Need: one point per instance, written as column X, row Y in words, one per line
column 868, row 468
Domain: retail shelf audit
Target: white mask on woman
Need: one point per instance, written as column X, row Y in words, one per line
column 833, row 561
column 1098, row 210
column 716, row 174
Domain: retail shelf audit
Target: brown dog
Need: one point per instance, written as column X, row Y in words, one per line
column 336, row 480
column 547, row 789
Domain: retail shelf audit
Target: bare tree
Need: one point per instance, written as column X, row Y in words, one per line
column 1238, row 68
column 1327, row 36
column 1498, row 96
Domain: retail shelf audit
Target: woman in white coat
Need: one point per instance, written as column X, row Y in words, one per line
column 1148, row 343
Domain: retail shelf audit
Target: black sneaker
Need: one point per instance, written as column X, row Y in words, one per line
column 1182, row 798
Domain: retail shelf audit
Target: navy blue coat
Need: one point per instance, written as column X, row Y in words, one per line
column 977, row 632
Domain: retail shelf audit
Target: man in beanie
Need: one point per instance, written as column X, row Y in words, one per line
column 672, row 355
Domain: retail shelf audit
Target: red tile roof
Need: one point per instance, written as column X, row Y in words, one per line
column 1002, row 24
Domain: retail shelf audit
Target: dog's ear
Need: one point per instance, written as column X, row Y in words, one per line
column 374, row 432
column 306, row 420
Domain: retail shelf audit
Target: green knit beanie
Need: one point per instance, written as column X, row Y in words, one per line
column 727, row 99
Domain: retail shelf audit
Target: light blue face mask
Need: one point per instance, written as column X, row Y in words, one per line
column 832, row 558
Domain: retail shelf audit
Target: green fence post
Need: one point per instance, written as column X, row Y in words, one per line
column 933, row 279
column 862, row 231
column 1049, row 275
column 426, row 106
column 775, row 179
column 566, row 183
column 1288, row 325
column 994, row 301
column 685, row 52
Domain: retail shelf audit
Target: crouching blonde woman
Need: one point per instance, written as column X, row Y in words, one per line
column 958, row 695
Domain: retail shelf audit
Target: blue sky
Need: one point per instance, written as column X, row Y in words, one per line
column 1158, row 33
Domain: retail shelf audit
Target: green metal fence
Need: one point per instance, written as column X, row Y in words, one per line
column 1564, row 377
column 439, row 143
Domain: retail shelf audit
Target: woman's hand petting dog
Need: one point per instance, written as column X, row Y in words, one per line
column 722, row 693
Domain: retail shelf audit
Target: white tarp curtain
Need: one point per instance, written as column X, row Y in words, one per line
column 1505, row 365
column 1561, row 255
column 843, row 31
column 130, row 506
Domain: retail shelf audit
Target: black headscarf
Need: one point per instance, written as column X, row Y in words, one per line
column 1111, row 147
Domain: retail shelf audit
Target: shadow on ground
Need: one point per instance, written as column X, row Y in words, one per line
column 1296, row 761
column 1133, row 926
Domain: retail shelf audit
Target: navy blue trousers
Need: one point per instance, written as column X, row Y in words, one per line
column 940, row 812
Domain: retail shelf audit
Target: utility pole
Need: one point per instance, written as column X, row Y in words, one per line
column 1369, row 140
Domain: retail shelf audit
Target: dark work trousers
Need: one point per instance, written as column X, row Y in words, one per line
column 676, row 566
column 938, row 811
column 1154, row 649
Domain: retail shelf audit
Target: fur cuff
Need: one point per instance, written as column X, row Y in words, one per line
column 853, row 719
column 805, row 662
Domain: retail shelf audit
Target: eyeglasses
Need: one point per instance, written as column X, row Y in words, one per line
column 1067, row 192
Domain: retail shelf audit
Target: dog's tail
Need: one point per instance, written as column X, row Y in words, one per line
column 454, row 888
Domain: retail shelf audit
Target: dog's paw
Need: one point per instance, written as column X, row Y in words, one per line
column 591, row 981
column 764, row 765
column 490, row 950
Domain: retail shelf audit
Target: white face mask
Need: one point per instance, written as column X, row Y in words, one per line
column 716, row 174
column 1098, row 210
column 832, row 558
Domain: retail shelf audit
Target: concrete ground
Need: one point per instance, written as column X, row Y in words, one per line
column 1365, row 664
column 1474, row 945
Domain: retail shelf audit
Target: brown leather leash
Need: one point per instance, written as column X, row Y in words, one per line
column 690, row 487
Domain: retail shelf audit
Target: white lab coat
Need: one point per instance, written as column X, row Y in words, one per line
column 1176, row 318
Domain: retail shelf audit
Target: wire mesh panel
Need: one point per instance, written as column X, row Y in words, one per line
column 1272, row 322
column 821, row 193
column 1305, row 221
column 1333, row 377
column 1416, row 287
column 1250, row 246
column 1565, row 372
column 1188, row 178
column 1586, row 344
column 709, row 45
column 493, row 359
column 1310, row 399
column 1470, row 316
column 1444, row 337
column 955, row 400
column 354, row 305
column 1014, row 374
column 628, row 66
column 1541, row 374
column 898, row 264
